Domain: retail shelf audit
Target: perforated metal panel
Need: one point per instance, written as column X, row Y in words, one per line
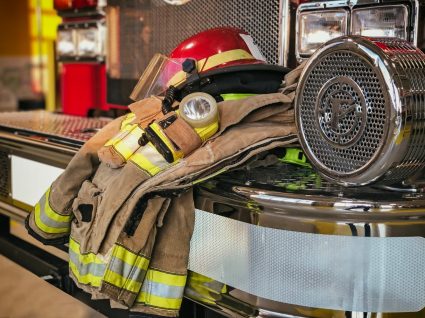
column 4, row 174
column 360, row 108
column 345, row 80
column 161, row 27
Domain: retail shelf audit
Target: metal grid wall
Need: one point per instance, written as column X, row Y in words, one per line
column 169, row 25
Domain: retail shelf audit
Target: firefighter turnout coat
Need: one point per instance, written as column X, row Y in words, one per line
column 128, row 217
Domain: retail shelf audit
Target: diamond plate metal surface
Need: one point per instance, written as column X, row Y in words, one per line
column 73, row 128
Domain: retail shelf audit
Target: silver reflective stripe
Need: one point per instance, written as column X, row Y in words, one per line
column 365, row 274
column 214, row 286
column 89, row 268
column 122, row 268
column 48, row 221
column 150, row 152
column 162, row 290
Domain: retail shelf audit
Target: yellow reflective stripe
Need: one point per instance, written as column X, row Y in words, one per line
column 156, row 301
column 45, row 228
column 87, row 268
column 126, row 269
column 124, row 132
column 125, row 127
column 129, row 257
column 52, row 214
column 224, row 57
column 206, row 132
column 163, row 290
column 166, row 278
column 212, row 61
column 122, row 282
column 130, row 143
column 127, row 120
column 87, row 279
column 116, row 138
column 88, row 258
column 150, row 160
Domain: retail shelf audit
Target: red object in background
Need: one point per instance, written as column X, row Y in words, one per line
column 77, row 4
column 74, row 4
column 83, row 87
column 62, row 4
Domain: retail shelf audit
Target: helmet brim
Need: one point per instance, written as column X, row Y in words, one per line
column 247, row 68
column 244, row 78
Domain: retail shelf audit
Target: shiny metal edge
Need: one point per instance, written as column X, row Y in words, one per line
column 319, row 214
column 324, row 6
column 13, row 212
column 283, row 32
column 415, row 36
column 339, row 209
column 243, row 207
column 71, row 150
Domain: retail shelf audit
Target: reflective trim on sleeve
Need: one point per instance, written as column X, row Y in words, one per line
column 163, row 290
column 149, row 159
column 88, row 269
column 48, row 220
column 87, row 279
column 126, row 269
column 85, row 267
column 126, row 283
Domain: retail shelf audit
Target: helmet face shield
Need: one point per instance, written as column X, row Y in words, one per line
column 156, row 78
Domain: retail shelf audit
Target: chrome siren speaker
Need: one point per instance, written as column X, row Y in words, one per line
column 360, row 110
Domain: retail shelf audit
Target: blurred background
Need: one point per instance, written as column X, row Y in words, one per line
column 83, row 57
column 27, row 55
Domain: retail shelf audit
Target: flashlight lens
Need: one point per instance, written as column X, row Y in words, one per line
column 197, row 108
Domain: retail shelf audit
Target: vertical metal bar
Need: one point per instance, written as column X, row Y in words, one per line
column 39, row 15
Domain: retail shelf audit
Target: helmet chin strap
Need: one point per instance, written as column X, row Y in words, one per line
column 167, row 102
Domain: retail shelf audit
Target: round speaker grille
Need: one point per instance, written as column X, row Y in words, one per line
column 343, row 134
column 353, row 113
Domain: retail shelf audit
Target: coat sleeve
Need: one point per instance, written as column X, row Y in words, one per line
column 50, row 220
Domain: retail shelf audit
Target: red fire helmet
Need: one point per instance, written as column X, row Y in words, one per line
column 227, row 46
column 216, row 61
column 229, row 59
